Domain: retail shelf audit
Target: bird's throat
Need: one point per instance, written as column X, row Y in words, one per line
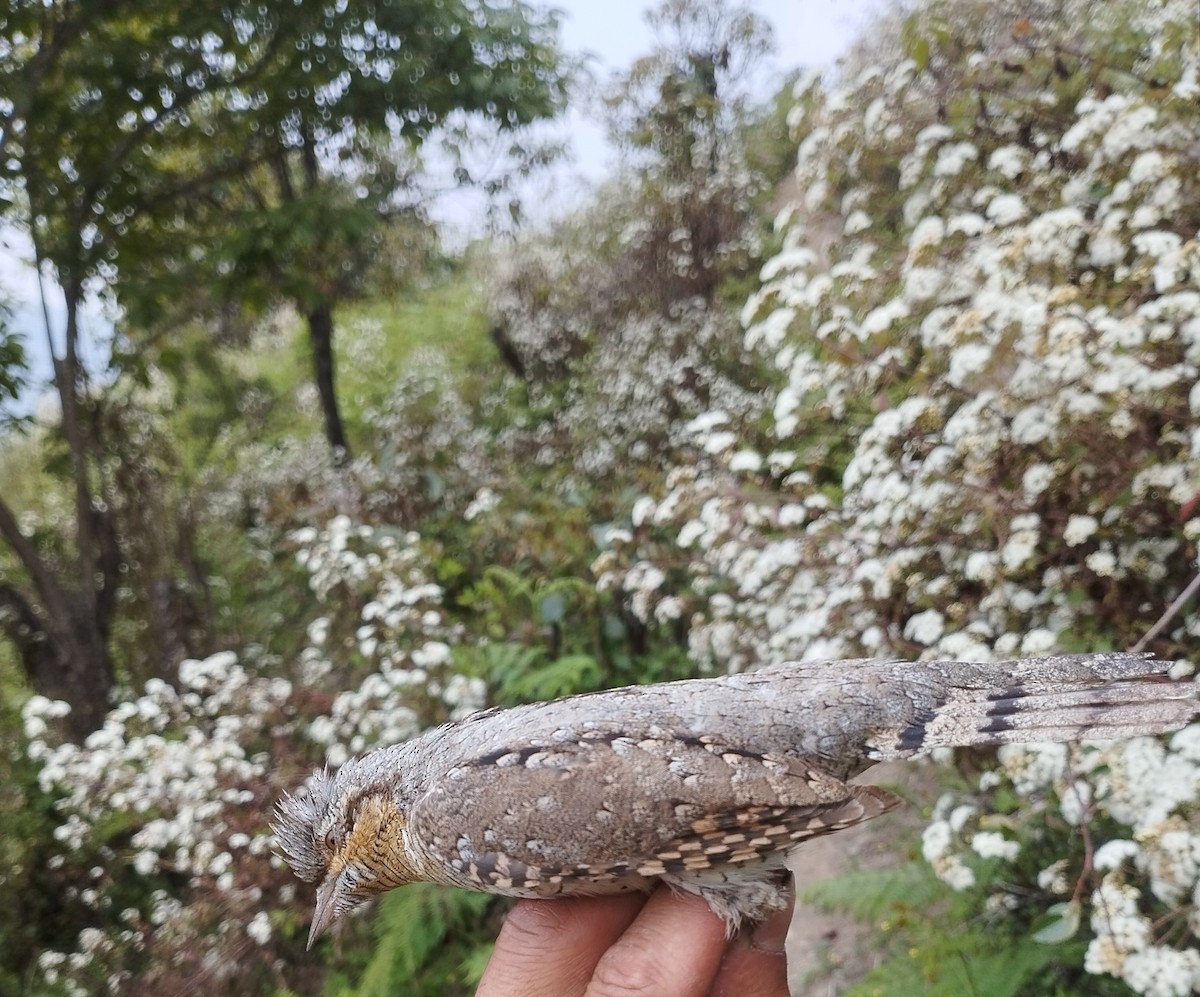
column 376, row 843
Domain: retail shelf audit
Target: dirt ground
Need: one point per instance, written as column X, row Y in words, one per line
column 827, row 953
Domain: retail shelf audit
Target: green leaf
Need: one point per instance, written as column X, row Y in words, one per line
column 957, row 964
column 428, row 938
column 915, row 43
column 569, row 674
column 552, row 608
column 1065, row 925
column 876, row 895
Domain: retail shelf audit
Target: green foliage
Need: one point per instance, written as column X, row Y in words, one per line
column 232, row 155
column 954, row 964
column 523, row 674
column 29, row 484
column 381, row 339
column 506, row 596
column 213, row 402
column 193, row 130
column 28, row 896
column 431, row 941
column 910, row 913
column 13, row 369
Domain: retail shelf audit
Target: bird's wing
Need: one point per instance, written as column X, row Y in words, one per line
column 601, row 805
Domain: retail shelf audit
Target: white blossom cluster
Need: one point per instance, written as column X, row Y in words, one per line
column 644, row 380
column 1152, row 863
column 398, row 631
column 545, row 305
column 435, row 456
column 989, row 329
column 173, row 783
column 617, row 372
column 334, row 556
column 436, row 452
column 1023, row 354
column 176, row 786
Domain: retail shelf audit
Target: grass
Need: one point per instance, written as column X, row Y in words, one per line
column 449, row 317
column 23, row 471
column 265, row 391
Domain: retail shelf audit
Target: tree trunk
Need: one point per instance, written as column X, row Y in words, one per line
column 62, row 637
column 57, row 659
column 320, row 330
column 60, row 625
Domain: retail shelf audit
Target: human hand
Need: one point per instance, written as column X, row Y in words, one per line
column 666, row 945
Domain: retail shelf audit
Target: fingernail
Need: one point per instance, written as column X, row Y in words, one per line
column 771, row 935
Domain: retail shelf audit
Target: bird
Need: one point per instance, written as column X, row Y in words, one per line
column 706, row 784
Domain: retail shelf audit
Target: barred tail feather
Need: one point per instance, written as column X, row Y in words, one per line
column 1061, row 698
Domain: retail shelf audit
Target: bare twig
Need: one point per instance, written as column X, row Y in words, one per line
column 1170, row 614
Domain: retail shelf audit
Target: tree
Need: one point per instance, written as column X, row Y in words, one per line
column 125, row 124
column 677, row 113
column 336, row 121
column 93, row 91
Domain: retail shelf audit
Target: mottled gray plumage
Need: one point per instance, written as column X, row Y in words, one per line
column 706, row 784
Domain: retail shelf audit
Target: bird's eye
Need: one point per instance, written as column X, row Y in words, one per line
column 333, row 840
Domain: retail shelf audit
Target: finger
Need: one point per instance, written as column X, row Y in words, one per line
column 673, row 949
column 549, row 948
column 756, row 965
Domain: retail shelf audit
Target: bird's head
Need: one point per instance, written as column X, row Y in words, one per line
column 347, row 834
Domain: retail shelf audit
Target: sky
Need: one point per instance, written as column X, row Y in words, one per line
column 612, row 33
column 808, row 33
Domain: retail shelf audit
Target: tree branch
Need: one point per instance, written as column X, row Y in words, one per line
column 39, row 571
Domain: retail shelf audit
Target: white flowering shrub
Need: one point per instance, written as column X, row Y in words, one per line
column 157, row 822
column 987, row 311
column 385, row 633
column 616, row 376
column 164, row 801
column 974, row 464
column 1120, row 818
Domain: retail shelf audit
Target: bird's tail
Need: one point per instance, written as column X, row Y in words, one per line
column 1058, row 698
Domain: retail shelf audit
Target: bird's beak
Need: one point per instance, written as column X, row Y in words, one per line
column 326, row 912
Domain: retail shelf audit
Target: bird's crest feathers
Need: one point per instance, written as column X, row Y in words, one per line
column 296, row 822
